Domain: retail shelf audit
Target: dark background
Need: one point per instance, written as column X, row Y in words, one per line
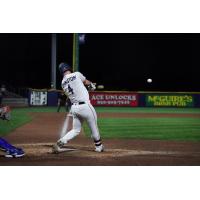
column 117, row 61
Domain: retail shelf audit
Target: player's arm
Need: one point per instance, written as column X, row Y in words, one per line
column 89, row 84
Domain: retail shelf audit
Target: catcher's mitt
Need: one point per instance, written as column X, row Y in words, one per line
column 5, row 113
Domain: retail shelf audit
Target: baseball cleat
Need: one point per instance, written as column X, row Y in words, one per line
column 99, row 148
column 14, row 153
column 57, row 147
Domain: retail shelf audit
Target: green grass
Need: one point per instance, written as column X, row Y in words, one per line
column 146, row 110
column 118, row 109
column 149, row 128
column 38, row 109
column 19, row 117
column 137, row 128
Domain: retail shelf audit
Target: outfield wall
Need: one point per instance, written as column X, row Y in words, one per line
column 122, row 98
column 145, row 99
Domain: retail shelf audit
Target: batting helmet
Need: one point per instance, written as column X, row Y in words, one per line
column 63, row 67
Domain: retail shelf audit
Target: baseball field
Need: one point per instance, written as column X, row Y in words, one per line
column 132, row 136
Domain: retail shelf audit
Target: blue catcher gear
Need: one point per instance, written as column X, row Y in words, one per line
column 63, row 67
column 11, row 151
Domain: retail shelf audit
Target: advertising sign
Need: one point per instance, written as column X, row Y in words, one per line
column 171, row 100
column 114, row 99
column 38, row 98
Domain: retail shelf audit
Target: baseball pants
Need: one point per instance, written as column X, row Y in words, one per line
column 80, row 113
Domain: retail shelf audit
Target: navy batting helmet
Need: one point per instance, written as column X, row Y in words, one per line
column 63, row 67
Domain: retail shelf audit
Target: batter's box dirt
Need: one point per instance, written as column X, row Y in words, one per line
column 45, row 150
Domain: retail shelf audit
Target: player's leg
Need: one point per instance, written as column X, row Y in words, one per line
column 92, row 122
column 4, row 145
column 67, row 125
column 77, row 123
column 11, row 151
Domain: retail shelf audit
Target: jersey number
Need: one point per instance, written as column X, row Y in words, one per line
column 70, row 90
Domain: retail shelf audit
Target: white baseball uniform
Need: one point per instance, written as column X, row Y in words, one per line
column 81, row 109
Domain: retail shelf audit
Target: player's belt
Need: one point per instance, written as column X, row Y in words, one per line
column 79, row 103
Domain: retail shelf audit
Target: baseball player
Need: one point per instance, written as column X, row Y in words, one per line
column 11, row 151
column 5, row 113
column 81, row 109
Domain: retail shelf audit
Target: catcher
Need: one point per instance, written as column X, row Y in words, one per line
column 10, row 150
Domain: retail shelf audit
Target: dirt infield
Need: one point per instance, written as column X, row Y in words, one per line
column 38, row 136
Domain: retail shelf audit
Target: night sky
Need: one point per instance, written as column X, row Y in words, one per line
column 117, row 61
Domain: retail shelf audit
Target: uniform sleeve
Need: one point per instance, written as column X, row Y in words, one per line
column 83, row 78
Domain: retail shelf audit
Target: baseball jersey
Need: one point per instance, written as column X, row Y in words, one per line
column 73, row 86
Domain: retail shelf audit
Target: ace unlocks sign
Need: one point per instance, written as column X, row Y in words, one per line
column 171, row 100
column 114, row 99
